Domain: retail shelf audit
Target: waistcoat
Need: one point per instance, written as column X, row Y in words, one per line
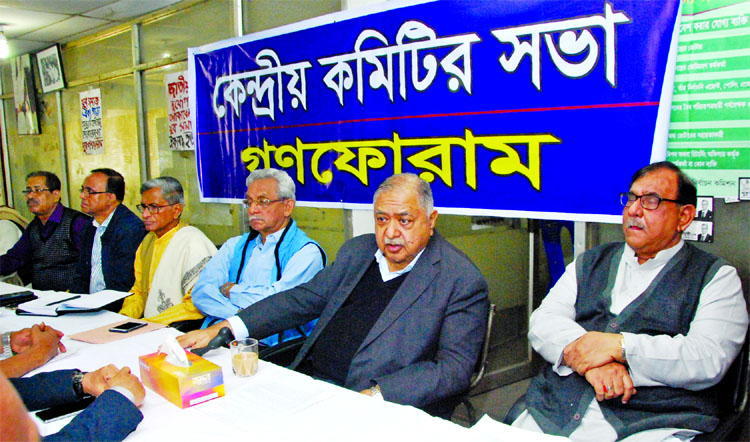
column 54, row 261
column 666, row 307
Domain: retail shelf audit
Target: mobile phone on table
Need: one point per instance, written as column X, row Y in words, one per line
column 65, row 410
column 14, row 299
column 127, row 327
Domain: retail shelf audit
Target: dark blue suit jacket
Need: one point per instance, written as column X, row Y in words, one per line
column 119, row 244
column 110, row 417
column 423, row 348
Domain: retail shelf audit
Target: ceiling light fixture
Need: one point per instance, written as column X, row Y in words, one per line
column 3, row 44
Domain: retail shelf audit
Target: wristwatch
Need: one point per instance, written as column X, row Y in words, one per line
column 623, row 353
column 7, row 349
column 78, row 383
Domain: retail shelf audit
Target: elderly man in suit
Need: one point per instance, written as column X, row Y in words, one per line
column 402, row 312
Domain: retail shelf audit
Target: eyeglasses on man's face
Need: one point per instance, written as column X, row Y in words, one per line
column 37, row 190
column 650, row 201
column 152, row 208
column 262, row 202
column 88, row 191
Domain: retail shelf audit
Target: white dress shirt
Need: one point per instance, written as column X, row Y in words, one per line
column 695, row 361
column 96, row 281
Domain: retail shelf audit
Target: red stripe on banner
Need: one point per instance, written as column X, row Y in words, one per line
column 454, row 114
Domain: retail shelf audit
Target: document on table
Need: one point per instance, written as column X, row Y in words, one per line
column 56, row 303
column 259, row 400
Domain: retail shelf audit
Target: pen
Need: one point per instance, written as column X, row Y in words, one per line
column 63, row 300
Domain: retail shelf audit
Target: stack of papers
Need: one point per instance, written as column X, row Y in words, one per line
column 57, row 303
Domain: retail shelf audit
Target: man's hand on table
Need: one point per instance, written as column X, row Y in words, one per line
column 125, row 379
column 593, row 349
column 45, row 344
column 97, row 382
column 610, row 381
column 21, row 341
column 201, row 338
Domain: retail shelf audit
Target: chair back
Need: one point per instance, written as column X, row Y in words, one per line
column 732, row 394
column 10, row 214
column 481, row 366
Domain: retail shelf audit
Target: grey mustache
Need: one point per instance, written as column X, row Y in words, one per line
column 394, row 242
column 634, row 222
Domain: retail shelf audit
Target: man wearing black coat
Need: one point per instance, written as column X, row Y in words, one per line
column 110, row 241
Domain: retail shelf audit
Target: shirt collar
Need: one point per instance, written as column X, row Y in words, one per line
column 661, row 258
column 168, row 236
column 56, row 216
column 106, row 221
column 271, row 239
column 385, row 272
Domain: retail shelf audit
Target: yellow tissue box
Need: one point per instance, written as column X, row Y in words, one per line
column 183, row 386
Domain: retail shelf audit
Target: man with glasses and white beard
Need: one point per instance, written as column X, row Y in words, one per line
column 48, row 250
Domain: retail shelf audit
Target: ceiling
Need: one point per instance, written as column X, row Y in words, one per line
column 32, row 25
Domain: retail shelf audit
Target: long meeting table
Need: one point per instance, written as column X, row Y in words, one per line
column 277, row 404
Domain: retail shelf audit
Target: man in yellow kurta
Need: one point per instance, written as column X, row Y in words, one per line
column 168, row 260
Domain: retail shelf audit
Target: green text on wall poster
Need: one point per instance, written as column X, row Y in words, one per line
column 709, row 131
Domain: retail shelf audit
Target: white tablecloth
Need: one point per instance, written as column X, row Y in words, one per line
column 276, row 404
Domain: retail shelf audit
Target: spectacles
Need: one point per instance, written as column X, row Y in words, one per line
column 152, row 208
column 262, row 202
column 88, row 191
column 648, row 201
column 37, row 191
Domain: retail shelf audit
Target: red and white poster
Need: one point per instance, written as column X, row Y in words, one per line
column 178, row 112
column 92, row 138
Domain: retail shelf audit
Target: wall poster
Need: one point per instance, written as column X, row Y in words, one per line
column 92, row 136
column 178, row 112
column 709, row 134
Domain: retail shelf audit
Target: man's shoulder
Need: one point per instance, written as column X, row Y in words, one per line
column 191, row 236
column 361, row 242
column 124, row 217
column 232, row 242
column 704, row 256
column 75, row 215
column 450, row 255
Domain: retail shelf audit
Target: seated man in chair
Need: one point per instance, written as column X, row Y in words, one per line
column 403, row 313
column 168, row 260
column 637, row 334
column 277, row 255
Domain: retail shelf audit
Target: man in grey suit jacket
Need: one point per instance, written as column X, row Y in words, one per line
column 402, row 312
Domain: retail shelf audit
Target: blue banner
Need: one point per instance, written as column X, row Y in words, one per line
column 508, row 108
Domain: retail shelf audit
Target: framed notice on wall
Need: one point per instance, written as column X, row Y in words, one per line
column 24, row 95
column 92, row 136
column 178, row 110
column 50, row 69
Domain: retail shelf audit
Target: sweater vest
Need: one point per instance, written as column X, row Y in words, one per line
column 666, row 307
column 291, row 241
column 54, row 261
